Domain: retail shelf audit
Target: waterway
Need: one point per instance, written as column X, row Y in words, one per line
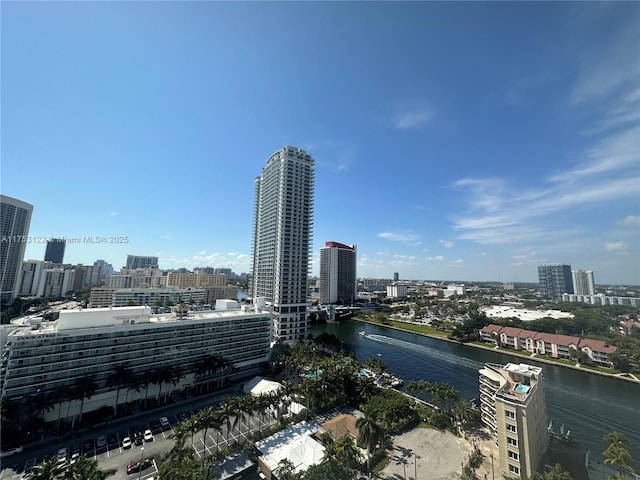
column 589, row 405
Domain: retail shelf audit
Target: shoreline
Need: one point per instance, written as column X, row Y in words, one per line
column 496, row 349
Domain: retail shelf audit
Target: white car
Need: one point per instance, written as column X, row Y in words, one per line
column 6, row 453
column 126, row 443
column 148, row 436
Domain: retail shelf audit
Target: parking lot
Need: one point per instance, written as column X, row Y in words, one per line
column 111, row 451
column 109, row 448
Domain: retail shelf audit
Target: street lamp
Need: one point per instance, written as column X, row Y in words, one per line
column 493, row 474
column 415, row 465
column 404, row 467
column 141, row 460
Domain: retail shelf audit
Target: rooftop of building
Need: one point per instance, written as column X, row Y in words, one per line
column 85, row 318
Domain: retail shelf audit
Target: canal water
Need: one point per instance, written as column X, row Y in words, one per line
column 587, row 404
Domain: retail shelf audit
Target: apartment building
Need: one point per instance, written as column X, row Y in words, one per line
column 553, row 345
column 554, row 280
column 282, row 233
column 195, row 280
column 15, row 220
column 397, row 290
column 338, row 265
column 139, row 261
column 513, row 406
column 51, row 356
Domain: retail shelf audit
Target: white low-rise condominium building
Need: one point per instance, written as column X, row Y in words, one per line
column 198, row 348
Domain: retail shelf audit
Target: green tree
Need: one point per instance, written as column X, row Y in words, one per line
column 369, row 434
column 119, row 378
column 286, row 470
column 85, row 469
column 555, row 472
column 85, row 387
column 618, row 452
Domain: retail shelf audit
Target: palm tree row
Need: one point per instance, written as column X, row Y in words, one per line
column 20, row 417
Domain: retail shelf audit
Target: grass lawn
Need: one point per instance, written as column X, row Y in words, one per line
column 557, row 360
column 601, row 369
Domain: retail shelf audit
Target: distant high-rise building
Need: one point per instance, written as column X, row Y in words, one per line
column 513, row 406
column 30, row 276
column 282, row 233
column 15, row 219
column 105, row 267
column 583, row 283
column 55, row 250
column 396, row 276
column 554, row 280
column 338, row 273
column 137, row 261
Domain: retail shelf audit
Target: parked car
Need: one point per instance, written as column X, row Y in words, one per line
column 11, row 451
column 112, row 438
column 148, row 436
column 126, row 442
column 135, row 467
column 137, row 438
column 87, row 446
column 101, row 441
column 164, row 421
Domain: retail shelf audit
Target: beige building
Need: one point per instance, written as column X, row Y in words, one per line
column 513, row 406
column 196, row 280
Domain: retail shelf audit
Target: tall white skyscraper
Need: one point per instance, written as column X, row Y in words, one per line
column 583, row 283
column 15, row 220
column 282, row 234
column 338, row 273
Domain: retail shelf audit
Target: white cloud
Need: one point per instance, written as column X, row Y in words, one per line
column 501, row 212
column 113, row 214
column 459, row 261
column 630, row 220
column 615, row 246
column 438, row 258
column 412, row 119
column 404, row 257
column 404, row 237
column 446, row 243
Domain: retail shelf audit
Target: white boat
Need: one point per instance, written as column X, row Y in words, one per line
column 362, row 332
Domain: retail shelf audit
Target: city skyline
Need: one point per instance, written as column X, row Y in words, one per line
column 454, row 141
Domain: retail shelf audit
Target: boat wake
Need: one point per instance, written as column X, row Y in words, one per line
column 421, row 350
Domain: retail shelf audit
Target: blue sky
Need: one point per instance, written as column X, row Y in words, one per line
column 453, row 141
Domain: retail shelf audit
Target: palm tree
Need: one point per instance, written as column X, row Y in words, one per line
column 134, row 384
column 119, row 378
column 191, row 425
column 47, row 470
column 226, row 410
column 85, row 469
column 553, row 473
column 149, row 378
column 618, row 452
column 462, row 412
column 163, row 375
column 369, row 434
column 206, row 419
column 348, row 453
column 85, row 387
column 41, row 403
